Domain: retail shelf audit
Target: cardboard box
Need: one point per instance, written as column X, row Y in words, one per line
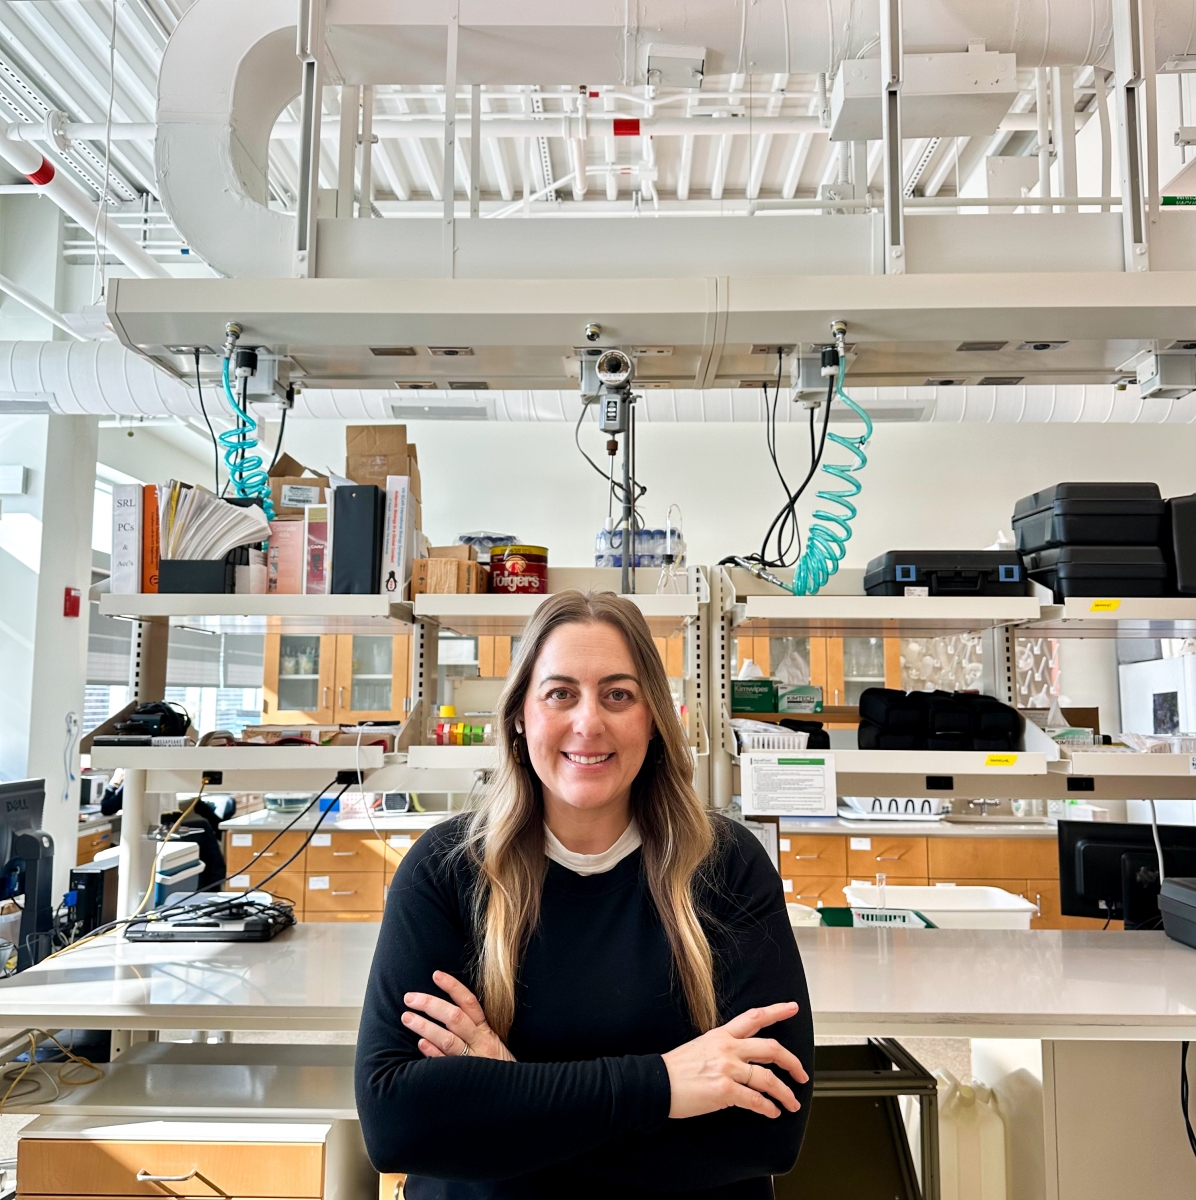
column 799, row 699
column 377, row 439
column 464, row 553
column 292, row 486
column 447, row 577
column 374, row 468
column 753, row 695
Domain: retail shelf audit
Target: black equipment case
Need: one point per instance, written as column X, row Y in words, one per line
column 947, row 573
column 1100, row 571
column 1089, row 514
column 894, row 720
column 1178, row 544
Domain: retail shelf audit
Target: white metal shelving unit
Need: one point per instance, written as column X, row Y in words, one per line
column 506, row 616
column 217, row 613
column 1118, row 617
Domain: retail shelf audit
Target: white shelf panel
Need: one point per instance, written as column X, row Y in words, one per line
column 1137, row 766
column 881, row 616
column 216, row 613
column 494, row 614
column 938, row 762
column 458, row 758
column 1125, row 617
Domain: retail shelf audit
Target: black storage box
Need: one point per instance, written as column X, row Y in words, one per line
column 894, row 720
column 1178, row 544
column 1089, row 514
column 1177, row 904
column 947, row 573
column 1100, row 571
column 189, row 575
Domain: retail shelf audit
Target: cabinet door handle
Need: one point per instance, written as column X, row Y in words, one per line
column 343, row 853
column 325, row 701
column 806, row 857
column 352, row 893
column 340, row 697
column 889, row 857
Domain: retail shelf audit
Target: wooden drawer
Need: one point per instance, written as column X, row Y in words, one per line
column 70, row 1167
column 898, row 858
column 815, row 892
column 960, row 858
column 90, row 844
column 819, row 855
column 241, row 849
column 290, row 885
column 398, row 842
column 342, row 852
column 344, row 891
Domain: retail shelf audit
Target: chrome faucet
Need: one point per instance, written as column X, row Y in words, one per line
column 983, row 805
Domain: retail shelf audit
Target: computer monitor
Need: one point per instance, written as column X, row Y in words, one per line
column 27, row 865
column 1110, row 871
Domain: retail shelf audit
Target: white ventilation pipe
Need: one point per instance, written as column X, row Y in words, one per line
column 38, row 169
column 103, row 377
column 230, row 68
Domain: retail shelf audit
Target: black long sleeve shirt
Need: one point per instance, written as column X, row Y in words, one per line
column 584, row 1111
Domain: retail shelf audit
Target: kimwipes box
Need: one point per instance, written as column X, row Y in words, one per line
column 293, row 486
column 372, row 452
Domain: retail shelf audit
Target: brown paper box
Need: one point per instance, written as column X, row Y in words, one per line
column 464, row 553
column 447, row 576
column 285, row 472
column 374, row 468
column 389, row 440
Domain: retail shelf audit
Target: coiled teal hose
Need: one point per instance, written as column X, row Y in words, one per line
column 827, row 544
column 245, row 470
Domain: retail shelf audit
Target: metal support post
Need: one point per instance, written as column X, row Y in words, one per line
column 425, row 668
column 697, row 662
column 891, row 67
column 1063, row 108
column 722, row 737
column 365, row 206
column 1043, row 119
column 475, row 151
column 1000, row 675
column 310, row 49
column 148, row 650
column 347, row 150
column 1133, row 85
column 449, row 185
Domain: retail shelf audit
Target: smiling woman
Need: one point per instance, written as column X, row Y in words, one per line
column 570, row 981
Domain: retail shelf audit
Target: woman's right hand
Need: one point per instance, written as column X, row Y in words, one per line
column 724, row 1068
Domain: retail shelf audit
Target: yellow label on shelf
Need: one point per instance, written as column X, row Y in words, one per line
column 1104, row 606
column 1000, row 760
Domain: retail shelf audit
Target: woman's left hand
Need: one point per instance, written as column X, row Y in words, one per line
column 462, row 1027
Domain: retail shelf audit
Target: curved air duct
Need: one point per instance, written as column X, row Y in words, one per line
column 230, row 68
column 104, row 378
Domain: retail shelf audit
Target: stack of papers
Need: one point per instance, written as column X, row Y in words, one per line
column 195, row 524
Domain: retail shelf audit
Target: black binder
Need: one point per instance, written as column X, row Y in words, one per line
column 358, row 515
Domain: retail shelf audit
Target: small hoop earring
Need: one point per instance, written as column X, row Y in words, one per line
column 517, row 750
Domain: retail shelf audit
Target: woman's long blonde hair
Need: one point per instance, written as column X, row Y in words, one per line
column 505, row 835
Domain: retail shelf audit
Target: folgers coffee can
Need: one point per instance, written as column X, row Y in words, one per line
column 519, row 569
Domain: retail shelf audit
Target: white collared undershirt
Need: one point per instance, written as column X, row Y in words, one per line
column 593, row 864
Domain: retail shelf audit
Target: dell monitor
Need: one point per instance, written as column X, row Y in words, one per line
column 1111, row 871
column 27, row 865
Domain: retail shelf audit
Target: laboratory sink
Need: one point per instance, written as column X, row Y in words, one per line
column 1007, row 820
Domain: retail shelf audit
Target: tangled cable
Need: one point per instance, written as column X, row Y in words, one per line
column 246, row 470
column 827, row 544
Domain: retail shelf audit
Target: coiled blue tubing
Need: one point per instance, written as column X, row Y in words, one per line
column 245, row 469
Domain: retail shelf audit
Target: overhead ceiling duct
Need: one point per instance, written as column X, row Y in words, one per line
column 103, row 377
column 230, row 68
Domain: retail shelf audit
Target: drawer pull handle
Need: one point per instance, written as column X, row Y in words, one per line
column 195, row 1173
column 807, row 857
column 343, row 853
column 889, row 857
column 352, row 893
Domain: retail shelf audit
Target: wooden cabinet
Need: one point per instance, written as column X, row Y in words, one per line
column 92, row 842
column 898, row 858
column 815, row 892
column 339, row 875
column 335, row 679
column 971, row 858
column 812, row 856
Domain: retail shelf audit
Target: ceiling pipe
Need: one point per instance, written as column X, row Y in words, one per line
column 10, row 288
column 31, row 163
column 104, row 378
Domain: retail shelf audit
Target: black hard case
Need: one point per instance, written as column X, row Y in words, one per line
column 894, row 720
column 1089, row 514
column 1178, row 544
column 947, row 573
column 1100, row 571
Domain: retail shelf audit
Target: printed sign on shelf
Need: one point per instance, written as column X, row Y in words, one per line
column 788, row 783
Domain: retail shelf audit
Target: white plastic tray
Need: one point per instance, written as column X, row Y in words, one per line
column 951, row 907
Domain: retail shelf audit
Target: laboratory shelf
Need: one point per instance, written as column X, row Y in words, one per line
column 222, row 613
column 439, row 758
column 1139, row 766
column 880, row 616
column 506, row 615
column 939, row 762
column 1113, row 617
column 243, row 768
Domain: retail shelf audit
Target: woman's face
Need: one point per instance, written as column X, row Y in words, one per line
column 585, row 718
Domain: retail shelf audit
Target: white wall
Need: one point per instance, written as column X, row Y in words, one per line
column 926, row 486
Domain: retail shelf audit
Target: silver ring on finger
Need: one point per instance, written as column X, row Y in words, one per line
column 467, row 1051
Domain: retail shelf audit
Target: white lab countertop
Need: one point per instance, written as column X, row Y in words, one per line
column 896, row 983
column 268, row 821
column 841, row 826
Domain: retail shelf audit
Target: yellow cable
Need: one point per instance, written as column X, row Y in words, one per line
column 74, row 1060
